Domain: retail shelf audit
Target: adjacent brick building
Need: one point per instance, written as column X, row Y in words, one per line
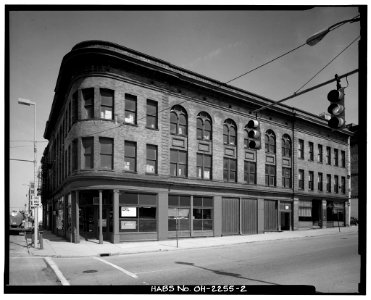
column 140, row 149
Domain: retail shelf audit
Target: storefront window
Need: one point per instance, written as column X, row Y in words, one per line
column 179, row 209
column 202, row 213
column 138, row 212
column 305, row 210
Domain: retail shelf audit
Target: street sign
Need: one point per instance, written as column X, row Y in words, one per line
column 35, row 201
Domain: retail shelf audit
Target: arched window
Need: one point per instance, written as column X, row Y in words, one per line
column 229, row 132
column 204, row 131
column 178, row 121
column 286, row 146
column 270, row 142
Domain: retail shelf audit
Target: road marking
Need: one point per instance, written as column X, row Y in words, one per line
column 56, row 270
column 117, row 267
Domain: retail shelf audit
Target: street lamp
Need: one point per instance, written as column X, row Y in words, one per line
column 29, row 103
column 317, row 37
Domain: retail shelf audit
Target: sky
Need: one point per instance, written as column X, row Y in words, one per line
column 218, row 44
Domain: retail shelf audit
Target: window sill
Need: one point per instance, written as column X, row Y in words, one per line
column 150, row 128
column 130, row 124
column 151, row 174
column 181, row 135
column 107, row 170
column 130, row 172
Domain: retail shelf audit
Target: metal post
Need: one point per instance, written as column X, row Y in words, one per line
column 36, row 221
column 100, row 218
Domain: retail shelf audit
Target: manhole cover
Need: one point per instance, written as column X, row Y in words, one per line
column 90, row 271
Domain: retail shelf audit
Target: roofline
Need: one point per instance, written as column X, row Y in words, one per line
column 161, row 65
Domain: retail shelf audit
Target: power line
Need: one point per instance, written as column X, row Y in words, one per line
column 327, row 64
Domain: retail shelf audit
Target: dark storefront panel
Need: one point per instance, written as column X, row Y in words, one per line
column 270, row 215
column 335, row 214
column 249, row 216
column 230, row 216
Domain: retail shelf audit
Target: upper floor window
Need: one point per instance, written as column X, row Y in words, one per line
column 106, row 104
column 74, row 155
column 88, row 100
column 270, row 175
column 311, row 179
column 343, row 184
column 178, row 121
column 230, row 169
column 336, row 157
column 328, row 155
column 286, row 146
column 204, row 166
column 301, row 179
column 320, row 181
column 286, row 177
column 320, row 153
column 88, row 152
column 328, row 183
column 204, row 126
column 229, row 132
column 130, row 158
column 152, row 114
column 301, row 149
column 343, row 159
column 106, row 153
column 270, row 142
column 178, row 163
column 151, row 166
column 311, row 153
column 250, row 172
column 336, row 184
column 130, row 109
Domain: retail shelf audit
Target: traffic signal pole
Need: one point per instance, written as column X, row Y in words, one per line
column 306, row 91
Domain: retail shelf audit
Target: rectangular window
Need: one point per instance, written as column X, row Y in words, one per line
column 310, row 182
column 88, row 153
column 305, row 210
column 130, row 159
column 311, row 153
column 152, row 114
column 151, row 166
column 286, row 177
column 343, row 184
column 130, row 109
column 270, row 175
column 336, row 157
column 202, row 213
column 328, row 155
column 178, row 163
column 320, row 182
column 343, row 159
column 204, row 166
column 336, row 184
column 137, row 212
column 250, row 172
column 106, row 104
column 301, row 179
column 179, row 213
column 230, row 170
column 74, row 155
column 320, row 153
column 106, row 153
column 328, row 183
column 75, row 107
column 88, row 100
column 301, row 149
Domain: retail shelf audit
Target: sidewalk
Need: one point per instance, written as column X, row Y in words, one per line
column 55, row 246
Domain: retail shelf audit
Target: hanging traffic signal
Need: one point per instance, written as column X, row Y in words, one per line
column 254, row 134
column 336, row 108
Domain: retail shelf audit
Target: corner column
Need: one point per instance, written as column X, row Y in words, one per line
column 324, row 213
column 295, row 212
column 75, row 217
column 162, row 216
column 100, row 217
column 116, row 217
column 260, row 215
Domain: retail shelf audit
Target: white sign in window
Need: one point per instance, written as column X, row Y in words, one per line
column 128, row 225
column 128, row 212
column 150, row 169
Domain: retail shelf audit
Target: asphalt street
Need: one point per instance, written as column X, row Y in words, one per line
column 330, row 263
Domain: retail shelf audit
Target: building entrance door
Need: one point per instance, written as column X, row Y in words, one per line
column 87, row 222
column 285, row 220
column 316, row 213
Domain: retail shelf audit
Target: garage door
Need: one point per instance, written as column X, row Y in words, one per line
column 230, row 216
column 249, row 216
column 270, row 215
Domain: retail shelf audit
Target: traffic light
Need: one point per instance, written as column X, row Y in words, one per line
column 254, row 134
column 336, row 108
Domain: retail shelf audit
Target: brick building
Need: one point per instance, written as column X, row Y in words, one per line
column 354, row 142
column 140, row 149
